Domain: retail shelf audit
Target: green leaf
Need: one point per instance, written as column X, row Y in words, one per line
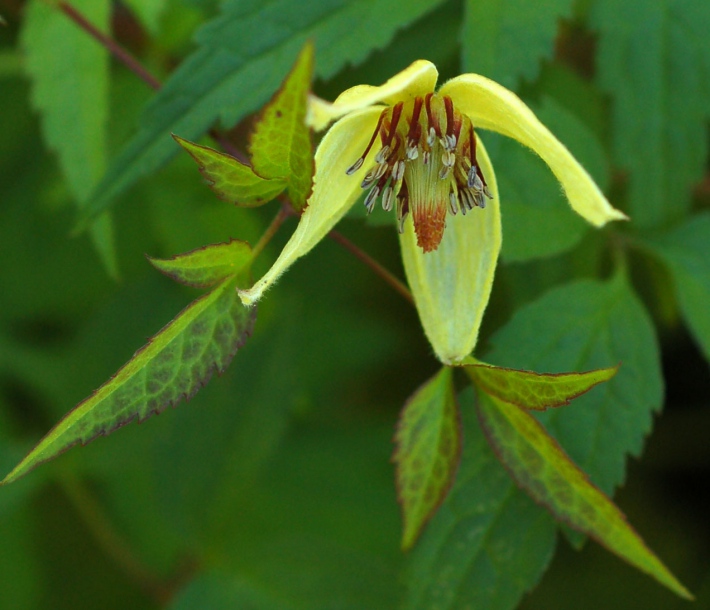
column 428, row 449
column 487, row 544
column 537, row 391
column 208, row 265
column 507, row 39
column 281, row 144
column 241, row 58
column 69, row 72
column 543, row 469
column 230, row 179
column 653, row 58
column 685, row 250
column 148, row 12
column 174, row 365
column 581, row 326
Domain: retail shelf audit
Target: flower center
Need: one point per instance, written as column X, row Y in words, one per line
column 426, row 165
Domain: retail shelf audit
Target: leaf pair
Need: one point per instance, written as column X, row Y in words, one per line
column 281, row 149
column 428, row 444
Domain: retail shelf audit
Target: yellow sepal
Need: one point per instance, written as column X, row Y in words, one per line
column 492, row 106
column 451, row 285
column 416, row 80
column 334, row 192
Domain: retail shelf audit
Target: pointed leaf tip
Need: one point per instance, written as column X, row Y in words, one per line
column 208, row 265
column 281, row 145
column 230, row 179
column 530, row 390
column 173, row 366
column 492, row 106
column 540, row 466
column 427, row 453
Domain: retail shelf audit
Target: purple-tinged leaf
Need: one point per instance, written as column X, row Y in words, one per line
column 428, row 449
column 540, row 466
column 208, row 265
column 281, row 144
column 173, row 366
column 230, row 179
column 537, row 391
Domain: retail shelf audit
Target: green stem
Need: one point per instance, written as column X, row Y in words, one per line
column 111, row 45
column 271, row 230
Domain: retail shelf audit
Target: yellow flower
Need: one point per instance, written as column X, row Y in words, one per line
column 416, row 151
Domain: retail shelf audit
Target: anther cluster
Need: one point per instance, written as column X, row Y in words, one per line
column 426, row 165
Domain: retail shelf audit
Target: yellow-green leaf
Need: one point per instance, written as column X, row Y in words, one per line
column 230, row 179
column 542, row 468
column 428, row 448
column 208, row 265
column 281, row 144
column 530, row 390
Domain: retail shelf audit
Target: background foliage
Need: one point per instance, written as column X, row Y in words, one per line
column 273, row 487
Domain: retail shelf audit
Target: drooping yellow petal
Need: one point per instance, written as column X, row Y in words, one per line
column 334, row 192
column 451, row 285
column 416, row 80
column 491, row 106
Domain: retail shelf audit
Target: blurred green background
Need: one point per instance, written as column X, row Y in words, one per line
column 273, row 487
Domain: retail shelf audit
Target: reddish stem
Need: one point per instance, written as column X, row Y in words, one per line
column 111, row 45
column 385, row 274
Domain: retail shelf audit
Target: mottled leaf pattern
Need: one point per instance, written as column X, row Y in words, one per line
column 176, row 363
column 537, row 391
column 281, row 142
column 428, row 447
column 542, row 468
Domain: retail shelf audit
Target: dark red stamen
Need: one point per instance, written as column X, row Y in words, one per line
column 415, row 129
column 374, row 134
column 396, row 114
column 430, row 115
column 449, row 105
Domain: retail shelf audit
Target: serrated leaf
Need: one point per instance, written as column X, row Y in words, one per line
column 536, row 391
column 488, row 543
column 174, row 365
column 507, row 39
column 543, row 469
column 69, row 72
column 241, row 58
column 686, row 251
column 586, row 325
column 230, row 179
column 653, row 58
column 281, row 144
column 208, row 265
column 428, row 448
